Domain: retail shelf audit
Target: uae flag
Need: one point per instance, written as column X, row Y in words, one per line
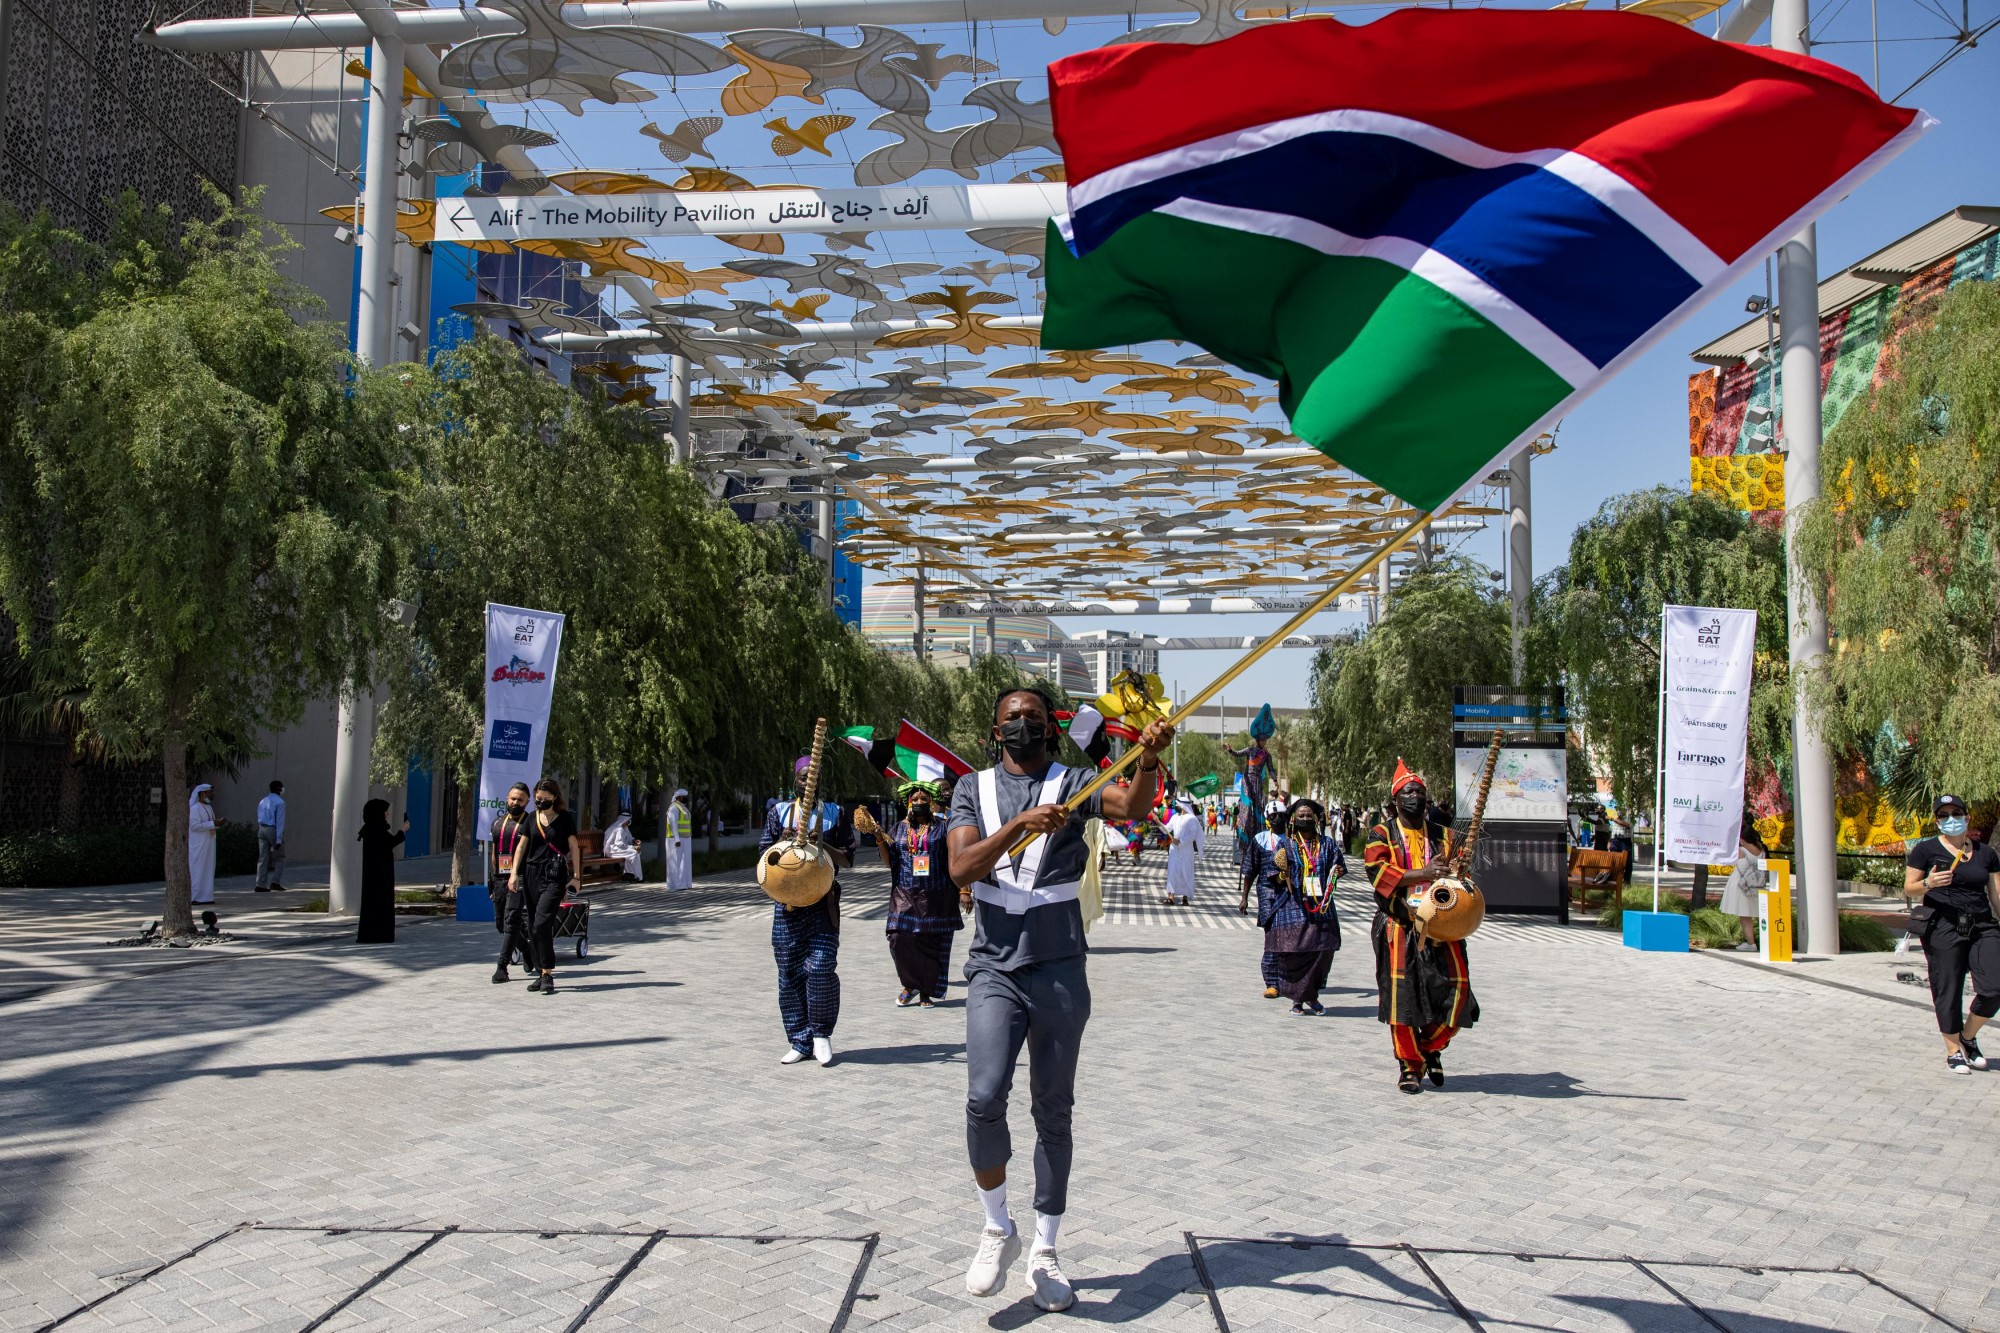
column 1439, row 231
column 923, row 759
column 880, row 754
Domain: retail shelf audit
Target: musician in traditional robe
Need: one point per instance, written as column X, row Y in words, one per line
column 923, row 902
column 1295, row 873
column 805, row 941
column 1424, row 985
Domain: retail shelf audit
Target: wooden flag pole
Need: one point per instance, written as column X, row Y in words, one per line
column 1244, row 663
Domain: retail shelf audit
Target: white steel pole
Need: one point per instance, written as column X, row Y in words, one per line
column 1520, row 556
column 1798, row 337
column 826, row 545
column 677, row 398
column 1660, row 768
column 374, row 345
column 375, row 313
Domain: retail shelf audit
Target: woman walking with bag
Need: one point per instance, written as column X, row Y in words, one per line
column 546, row 862
column 1959, row 922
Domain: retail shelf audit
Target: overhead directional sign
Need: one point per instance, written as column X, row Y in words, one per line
column 741, row 212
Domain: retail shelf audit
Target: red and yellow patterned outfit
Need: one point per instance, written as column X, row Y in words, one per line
column 1424, row 986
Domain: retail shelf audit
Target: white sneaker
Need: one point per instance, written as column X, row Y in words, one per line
column 823, row 1050
column 1052, row 1290
column 997, row 1252
column 792, row 1056
column 1746, row 947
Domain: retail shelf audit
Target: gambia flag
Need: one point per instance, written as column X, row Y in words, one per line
column 1441, row 230
column 923, row 759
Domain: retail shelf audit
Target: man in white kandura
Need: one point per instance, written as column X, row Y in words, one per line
column 678, row 825
column 1185, row 830
column 619, row 842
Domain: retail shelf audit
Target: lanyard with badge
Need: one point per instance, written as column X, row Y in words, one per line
column 920, row 854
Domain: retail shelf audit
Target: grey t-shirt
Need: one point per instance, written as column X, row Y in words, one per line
column 1002, row 941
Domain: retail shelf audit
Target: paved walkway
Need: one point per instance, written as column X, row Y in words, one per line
column 321, row 1135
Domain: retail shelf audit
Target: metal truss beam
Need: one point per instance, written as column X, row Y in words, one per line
column 443, row 27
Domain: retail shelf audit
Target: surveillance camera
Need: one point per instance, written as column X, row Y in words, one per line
column 344, row 235
column 411, row 331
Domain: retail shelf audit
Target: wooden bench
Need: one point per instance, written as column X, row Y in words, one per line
column 597, row 867
column 1589, row 869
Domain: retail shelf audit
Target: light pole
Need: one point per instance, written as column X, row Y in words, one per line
column 1799, row 357
column 1520, row 556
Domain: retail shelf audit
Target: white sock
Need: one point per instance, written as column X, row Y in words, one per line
column 1045, row 1229
column 995, row 1203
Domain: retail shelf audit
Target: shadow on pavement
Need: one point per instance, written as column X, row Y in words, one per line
column 1556, row 1085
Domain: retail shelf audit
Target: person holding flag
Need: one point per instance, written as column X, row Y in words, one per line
column 923, row 901
column 1025, row 976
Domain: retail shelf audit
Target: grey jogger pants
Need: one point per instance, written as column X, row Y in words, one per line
column 1046, row 1006
column 270, row 857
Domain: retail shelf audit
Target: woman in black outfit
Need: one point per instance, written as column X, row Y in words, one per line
column 378, row 874
column 1960, row 925
column 547, row 862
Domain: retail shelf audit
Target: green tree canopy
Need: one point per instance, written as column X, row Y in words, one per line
column 1596, row 620
column 197, row 509
column 1906, row 535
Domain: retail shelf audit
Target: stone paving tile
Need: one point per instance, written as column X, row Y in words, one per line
column 1769, row 1302
column 728, row 1284
column 253, row 1280
column 1273, row 1287
column 1609, row 1103
column 511, row 1282
column 1555, row 1294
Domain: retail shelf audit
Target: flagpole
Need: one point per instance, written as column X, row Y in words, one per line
column 1245, row 662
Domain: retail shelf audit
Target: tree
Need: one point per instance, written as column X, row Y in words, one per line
column 198, row 514
column 1596, row 621
column 1386, row 695
column 1197, row 754
column 1906, row 537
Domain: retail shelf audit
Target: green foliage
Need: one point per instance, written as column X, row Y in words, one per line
column 195, row 522
column 1886, row 871
column 1863, row 932
column 1638, row 898
column 1713, row 928
column 51, row 860
column 1386, row 694
column 1201, row 754
column 1905, row 534
column 1596, row 621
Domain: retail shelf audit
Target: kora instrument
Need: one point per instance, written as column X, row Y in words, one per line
column 1453, row 907
column 796, row 870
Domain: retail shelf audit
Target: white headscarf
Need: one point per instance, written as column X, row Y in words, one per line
column 680, row 793
column 194, row 797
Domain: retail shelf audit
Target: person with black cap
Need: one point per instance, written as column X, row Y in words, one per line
column 1959, row 923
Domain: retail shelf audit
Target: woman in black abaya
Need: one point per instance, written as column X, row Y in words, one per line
column 378, row 874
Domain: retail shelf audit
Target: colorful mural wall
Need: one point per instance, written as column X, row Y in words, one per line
column 1732, row 418
column 1732, row 431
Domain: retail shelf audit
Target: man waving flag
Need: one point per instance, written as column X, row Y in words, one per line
column 1439, row 231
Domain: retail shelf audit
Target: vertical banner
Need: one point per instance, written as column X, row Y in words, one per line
column 1705, row 698
column 521, row 651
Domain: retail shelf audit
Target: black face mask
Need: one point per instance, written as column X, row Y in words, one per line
column 1412, row 803
column 920, row 814
column 1023, row 737
column 1304, row 828
column 545, row 804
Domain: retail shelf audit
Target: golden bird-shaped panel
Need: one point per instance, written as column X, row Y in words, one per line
column 1080, row 366
column 787, row 139
column 761, row 83
column 1218, row 386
